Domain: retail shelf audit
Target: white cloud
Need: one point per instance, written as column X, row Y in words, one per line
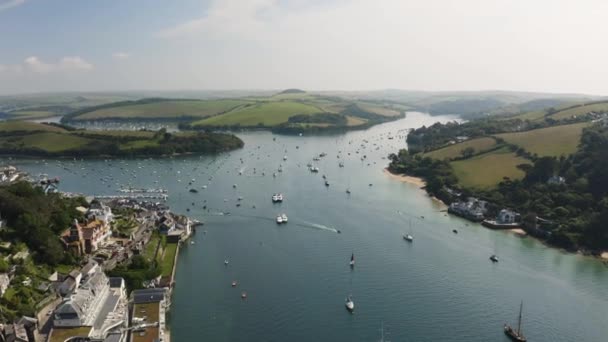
column 74, row 63
column 68, row 63
column 232, row 17
column 7, row 4
column 121, row 55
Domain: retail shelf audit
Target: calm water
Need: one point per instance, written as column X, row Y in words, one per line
column 442, row 287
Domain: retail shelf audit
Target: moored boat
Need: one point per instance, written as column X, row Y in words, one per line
column 516, row 335
column 350, row 304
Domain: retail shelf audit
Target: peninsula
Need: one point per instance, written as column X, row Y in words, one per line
column 55, row 140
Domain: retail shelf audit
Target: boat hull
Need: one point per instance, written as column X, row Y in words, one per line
column 513, row 335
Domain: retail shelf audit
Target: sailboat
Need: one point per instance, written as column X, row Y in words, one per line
column 352, row 260
column 408, row 237
column 516, row 335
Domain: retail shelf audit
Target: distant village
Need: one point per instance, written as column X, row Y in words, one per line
column 83, row 303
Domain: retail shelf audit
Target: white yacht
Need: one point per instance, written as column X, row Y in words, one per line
column 350, row 305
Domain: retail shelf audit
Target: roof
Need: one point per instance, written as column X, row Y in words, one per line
column 116, row 282
column 61, row 334
column 148, row 295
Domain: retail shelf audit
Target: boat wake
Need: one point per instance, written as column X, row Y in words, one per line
column 316, row 226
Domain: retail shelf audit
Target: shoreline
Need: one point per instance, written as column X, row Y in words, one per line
column 406, row 179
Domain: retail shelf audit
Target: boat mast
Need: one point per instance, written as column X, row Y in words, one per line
column 521, row 306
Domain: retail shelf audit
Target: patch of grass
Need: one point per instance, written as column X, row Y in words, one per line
column 550, row 141
column 163, row 110
column 167, row 262
column 31, row 114
column 485, row 171
column 454, row 151
column 150, row 250
column 117, row 133
column 354, row 121
column 54, row 142
column 268, row 114
column 378, row 109
column 26, row 126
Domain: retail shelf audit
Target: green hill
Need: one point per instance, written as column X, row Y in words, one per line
column 262, row 114
column 550, row 141
column 159, row 109
column 32, row 139
column 454, row 151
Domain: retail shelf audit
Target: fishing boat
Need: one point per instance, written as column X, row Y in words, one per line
column 352, row 260
column 494, row 258
column 350, row 305
column 516, row 335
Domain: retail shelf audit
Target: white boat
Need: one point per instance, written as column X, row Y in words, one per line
column 279, row 219
column 226, row 262
column 494, row 258
column 284, row 218
column 284, row 157
column 350, row 305
column 408, row 237
column 352, row 260
column 275, row 198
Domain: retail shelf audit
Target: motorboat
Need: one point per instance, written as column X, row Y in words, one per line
column 408, row 238
column 326, row 183
column 279, row 219
column 348, row 191
column 244, row 295
column 454, row 231
column 226, row 262
column 284, row 218
column 234, row 283
column 193, row 190
column 350, row 305
column 494, row 258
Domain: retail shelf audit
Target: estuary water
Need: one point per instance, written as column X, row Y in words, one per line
column 440, row 287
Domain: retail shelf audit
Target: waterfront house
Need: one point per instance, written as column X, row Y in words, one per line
column 166, row 223
column 473, row 209
column 506, row 219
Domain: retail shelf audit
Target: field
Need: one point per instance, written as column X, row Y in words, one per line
column 163, row 110
column 377, row 109
column 267, row 114
column 581, row 110
column 31, row 114
column 25, row 126
column 550, row 141
column 453, row 151
column 54, row 142
column 167, row 262
column 487, row 170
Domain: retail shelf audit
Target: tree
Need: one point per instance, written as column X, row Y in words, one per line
column 467, row 152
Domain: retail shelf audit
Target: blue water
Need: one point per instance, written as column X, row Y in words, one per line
column 441, row 287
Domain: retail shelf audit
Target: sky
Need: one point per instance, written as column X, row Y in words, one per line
column 112, row 45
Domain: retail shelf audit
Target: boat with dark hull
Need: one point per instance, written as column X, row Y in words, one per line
column 516, row 335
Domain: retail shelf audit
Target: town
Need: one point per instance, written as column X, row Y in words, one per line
column 119, row 290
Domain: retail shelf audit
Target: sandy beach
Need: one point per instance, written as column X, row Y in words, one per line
column 518, row 231
column 408, row 179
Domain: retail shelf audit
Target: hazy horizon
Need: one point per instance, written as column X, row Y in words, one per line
column 338, row 45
